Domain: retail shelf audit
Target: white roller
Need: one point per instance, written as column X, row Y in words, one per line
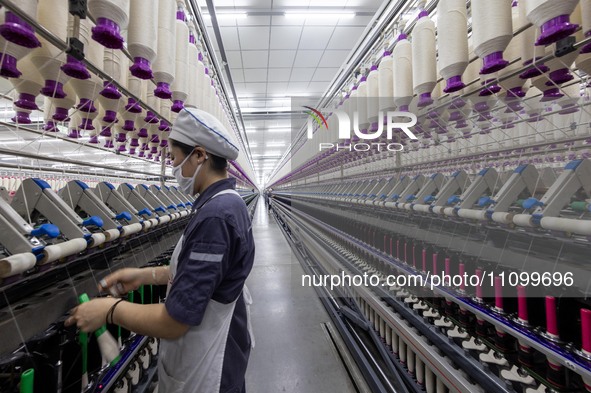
column 523, row 220
column 421, row 208
column 154, row 222
column 180, row 85
column 143, row 36
column 146, row 224
column 111, row 17
column 17, row 38
column 503, row 218
column 448, row 211
column 164, row 219
column 552, row 17
column 97, row 239
column 492, row 31
column 402, row 69
column 112, row 234
column 129, row 230
column 424, row 65
column 452, row 40
column 472, row 214
column 62, row 250
column 580, row 227
column 164, row 66
column 17, row 264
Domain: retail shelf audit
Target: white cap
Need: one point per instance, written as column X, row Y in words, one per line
column 195, row 127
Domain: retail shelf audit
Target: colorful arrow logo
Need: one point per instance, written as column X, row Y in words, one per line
column 320, row 119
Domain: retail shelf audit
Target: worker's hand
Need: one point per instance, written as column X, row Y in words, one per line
column 91, row 315
column 123, row 281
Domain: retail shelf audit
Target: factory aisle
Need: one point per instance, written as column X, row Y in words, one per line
column 292, row 352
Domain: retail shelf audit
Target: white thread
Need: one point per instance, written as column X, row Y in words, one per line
column 373, row 94
column 87, row 88
column 452, row 37
column 49, row 63
column 541, row 11
column 402, row 69
column 124, row 67
column 491, row 26
column 192, row 77
column 164, row 67
column 424, row 65
column 112, row 63
column 362, row 103
column 53, row 15
column 205, row 89
column 386, row 84
column 143, row 29
column 30, row 81
column 115, row 10
column 528, row 50
column 513, row 53
column 181, row 78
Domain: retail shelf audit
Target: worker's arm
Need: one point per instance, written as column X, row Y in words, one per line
column 130, row 279
column 145, row 319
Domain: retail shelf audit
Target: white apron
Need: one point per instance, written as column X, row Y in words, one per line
column 194, row 362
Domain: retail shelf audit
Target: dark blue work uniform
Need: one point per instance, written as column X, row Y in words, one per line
column 206, row 291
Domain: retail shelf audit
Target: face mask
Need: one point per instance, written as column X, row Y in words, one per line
column 186, row 184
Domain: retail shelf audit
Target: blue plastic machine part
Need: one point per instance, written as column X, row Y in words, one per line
column 49, row 230
column 93, row 221
column 123, row 216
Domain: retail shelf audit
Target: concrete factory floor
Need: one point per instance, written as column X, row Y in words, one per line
column 292, row 353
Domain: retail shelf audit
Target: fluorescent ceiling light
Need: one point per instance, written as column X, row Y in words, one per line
column 253, row 144
column 276, row 144
column 228, row 15
column 319, row 15
column 251, row 131
column 278, row 130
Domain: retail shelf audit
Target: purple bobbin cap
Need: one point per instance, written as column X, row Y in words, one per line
column 513, row 106
column 94, row 140
column 110, row 117
column 489, row 90
column 86, row 105
column 516, row 92
column 534, row 117
column 75, row 68
column 19, row 32
column 132, row 151
column 425, row 100
column 26, row 101
column 110, row 91
column 134, row 142
column 164, row 126
column 74, row 133
column 177, row 106
column 54, row 89
column 537, row 70
column 456, row 116
column 21, row 118
column 587, row 48
column 8, row 67
column 106, row 131
column 162, row 90
column 556, row 29
column 144, row 146
column 151, row 118
column 141, row 154
column 568, row 109
column 493, row 63
column 121, row 137
column 454, row 84
column 461, row 124
column 149, row 156
column 143, row 133
column 61, row 114
column 141, row 68
column 128, row 126
column 154, row 150
column 163, row 143
column 107, row 33
column 50, row 126
column 551, row 94
column 86, row 124
column 109, row 144
column 121, row 148
column 560, row 76
column 154, row 139
column 133, row 106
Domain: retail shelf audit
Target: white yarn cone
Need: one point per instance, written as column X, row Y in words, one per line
column 385, row 83
column 452, row 22
column 164, row 66
column 492, row 31
column 402, row 68
column 143, row 36
column 111, row 17
column 424, row 65
column 180, row 85
column 17, row 37
column 27, row 87
column 552, row 17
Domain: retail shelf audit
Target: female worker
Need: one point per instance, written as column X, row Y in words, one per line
column 203, row 324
